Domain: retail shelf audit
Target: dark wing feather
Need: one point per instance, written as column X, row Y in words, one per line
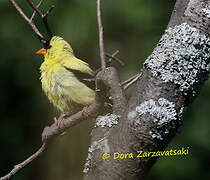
column 85, row 78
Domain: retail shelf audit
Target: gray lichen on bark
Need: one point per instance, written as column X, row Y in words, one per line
column 206, row 10
column 163, row 110
column 182, row 57
column 107, row 120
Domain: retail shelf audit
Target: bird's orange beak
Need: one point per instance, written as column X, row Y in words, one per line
column 42, row 51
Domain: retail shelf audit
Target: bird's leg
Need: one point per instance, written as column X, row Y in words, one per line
column 60, row 120
column 85, row 111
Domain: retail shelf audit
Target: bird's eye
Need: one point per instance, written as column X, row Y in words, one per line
column 49, row 46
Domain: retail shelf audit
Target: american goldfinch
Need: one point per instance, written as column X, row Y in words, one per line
column 67, row 81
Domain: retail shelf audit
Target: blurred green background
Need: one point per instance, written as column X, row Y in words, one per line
column 132, row 27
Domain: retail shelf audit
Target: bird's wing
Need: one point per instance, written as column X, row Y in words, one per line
column 87, row 79
column 80, row 69
column 77, row 64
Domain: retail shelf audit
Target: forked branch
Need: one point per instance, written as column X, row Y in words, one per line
column 30, row 23
column 43, row 16
column 113, row 57
column 34, row 13
column 30, row 20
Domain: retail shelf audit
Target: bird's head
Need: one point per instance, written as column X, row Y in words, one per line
column 57, row 48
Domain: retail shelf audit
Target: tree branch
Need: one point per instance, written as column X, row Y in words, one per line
column 30, row 21
column 100, row 28
column 103, row 80
column 113, row 56
column 171, row 79
column 127, row 83
column 18, row 167
column 34, row 13
column 43, row 16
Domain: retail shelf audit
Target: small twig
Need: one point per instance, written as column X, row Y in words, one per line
column 48, row 11
column 18, row 167
column 100, row 28
column 34, row 13
column 114, row 58
column 46, row 22
column 127, row 83
column 43, row 16
column 34, row 7
column 129, row 79
column 33, row 27
column 113, row 55
column 30, row 21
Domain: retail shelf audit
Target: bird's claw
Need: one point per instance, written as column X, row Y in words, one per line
column 85, row 112
column 60, row 120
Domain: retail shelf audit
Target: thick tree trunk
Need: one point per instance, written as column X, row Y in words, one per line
column 171, row 78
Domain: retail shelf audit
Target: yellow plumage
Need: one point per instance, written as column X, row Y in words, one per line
column 59, row 82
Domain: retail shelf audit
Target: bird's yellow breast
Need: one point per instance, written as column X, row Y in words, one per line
column 49, row 71
column 63, row 89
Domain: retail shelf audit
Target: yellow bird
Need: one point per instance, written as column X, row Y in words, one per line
column 67, row 81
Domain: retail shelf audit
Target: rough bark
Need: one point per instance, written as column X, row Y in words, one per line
column 171, row 79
